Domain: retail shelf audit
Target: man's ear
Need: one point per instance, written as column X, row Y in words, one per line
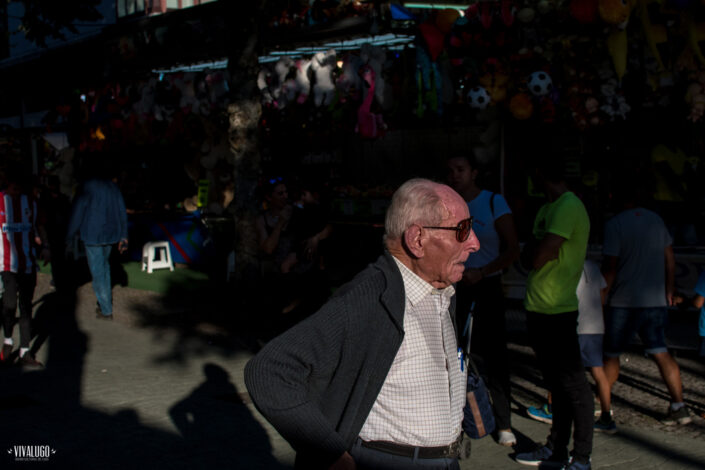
column 414, row 241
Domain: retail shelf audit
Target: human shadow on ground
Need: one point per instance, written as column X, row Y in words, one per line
column 44, row 407
column 215, row 422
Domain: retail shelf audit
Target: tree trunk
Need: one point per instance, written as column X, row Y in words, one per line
column 244, row 113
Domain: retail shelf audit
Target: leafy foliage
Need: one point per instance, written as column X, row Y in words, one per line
column 44, row 19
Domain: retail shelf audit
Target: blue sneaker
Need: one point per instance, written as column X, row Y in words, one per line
column 542, row 414
column 575, row 465
column 540, row 457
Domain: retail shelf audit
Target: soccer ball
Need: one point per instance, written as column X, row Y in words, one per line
column 540, row 83
column 479, row 98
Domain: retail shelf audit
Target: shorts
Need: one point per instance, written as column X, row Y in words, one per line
column 621, row 324
column 591, row 349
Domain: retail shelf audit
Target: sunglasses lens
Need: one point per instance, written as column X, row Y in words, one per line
column 464, row 228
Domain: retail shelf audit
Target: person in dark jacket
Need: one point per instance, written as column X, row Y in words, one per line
column 373, row 380
column 99, row 218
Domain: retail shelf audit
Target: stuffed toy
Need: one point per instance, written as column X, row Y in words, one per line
column 375, row 56
column 369, row 124
column 302, row 80
column 264, row 80
column 322, row 66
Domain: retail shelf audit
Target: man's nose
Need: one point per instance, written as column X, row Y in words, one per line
column 472, row 243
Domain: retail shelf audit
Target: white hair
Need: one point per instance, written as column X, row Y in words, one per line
column 415, row 202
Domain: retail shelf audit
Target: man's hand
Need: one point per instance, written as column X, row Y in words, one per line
column 345, row 462
column 122, row 246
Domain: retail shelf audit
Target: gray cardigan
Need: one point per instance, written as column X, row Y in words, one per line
column 317, row 382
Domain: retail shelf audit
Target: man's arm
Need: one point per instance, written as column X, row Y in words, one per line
column 670, row 274
column 547, row 250
column 279, row 380
column 609, row 270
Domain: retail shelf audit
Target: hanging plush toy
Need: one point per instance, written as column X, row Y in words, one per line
column 369, row 124
column 375, row 56
column 322, row 66
column 303, row 82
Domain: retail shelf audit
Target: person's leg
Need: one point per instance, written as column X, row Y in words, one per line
column 652, row 333
column 490, row 343
column 620, row 326
column 541, row 329
column 97, row 257
column 9, row 306
column 603, row 388
column 576, row 399
column 671, row 374
column 26, row 284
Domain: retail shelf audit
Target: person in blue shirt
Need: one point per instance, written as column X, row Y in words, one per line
column 99, row 219
column 481, row 285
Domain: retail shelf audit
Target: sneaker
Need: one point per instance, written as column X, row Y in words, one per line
column 542, row 414
column 680, row 416
column 540, row 457
column 575, row 465
column 100, row 316
column 6, row 352
column 30, row 362
column 609, row 427
column 506, row 438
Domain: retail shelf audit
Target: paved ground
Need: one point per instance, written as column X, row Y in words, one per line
column 162, row 386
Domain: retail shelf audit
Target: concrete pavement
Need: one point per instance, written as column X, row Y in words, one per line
column 162, row 386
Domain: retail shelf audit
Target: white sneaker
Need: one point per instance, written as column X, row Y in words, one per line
column 506, row 438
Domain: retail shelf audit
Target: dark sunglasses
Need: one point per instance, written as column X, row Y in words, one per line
column 462, row 230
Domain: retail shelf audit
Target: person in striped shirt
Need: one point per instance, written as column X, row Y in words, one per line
column 18, row 265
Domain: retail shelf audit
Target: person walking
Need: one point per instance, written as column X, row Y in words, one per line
column 639, row 267
column 481, row 285
column 99, row 219
column 373, row 379
column 556, row 256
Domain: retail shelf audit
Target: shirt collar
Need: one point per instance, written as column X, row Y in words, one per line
column 416, row 288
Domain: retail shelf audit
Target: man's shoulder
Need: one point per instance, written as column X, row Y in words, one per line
column 374, row 277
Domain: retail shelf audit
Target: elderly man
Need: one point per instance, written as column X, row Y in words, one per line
column 373, row 380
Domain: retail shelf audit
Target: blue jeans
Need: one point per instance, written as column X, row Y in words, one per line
column 98, row 256
column 622, row 323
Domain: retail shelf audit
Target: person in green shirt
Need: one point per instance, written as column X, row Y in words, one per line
column 555, row 258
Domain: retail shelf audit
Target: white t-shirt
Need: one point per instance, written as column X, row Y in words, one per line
column 590, row 319
column 483, row 226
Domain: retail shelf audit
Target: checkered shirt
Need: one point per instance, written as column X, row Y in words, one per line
column 422, row 398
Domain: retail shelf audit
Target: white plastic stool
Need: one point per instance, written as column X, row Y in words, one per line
column 156, row 255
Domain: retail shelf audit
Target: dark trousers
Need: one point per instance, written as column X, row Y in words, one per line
column 489, row 340
column 555, row 342
column 18, row 287
column 372, row 459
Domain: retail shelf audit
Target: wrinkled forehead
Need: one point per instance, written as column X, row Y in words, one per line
column 456, row 208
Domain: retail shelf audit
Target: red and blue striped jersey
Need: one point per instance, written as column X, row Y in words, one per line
column 18, row 219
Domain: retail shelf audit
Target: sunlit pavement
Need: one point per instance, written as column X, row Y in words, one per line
column 139, row 392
